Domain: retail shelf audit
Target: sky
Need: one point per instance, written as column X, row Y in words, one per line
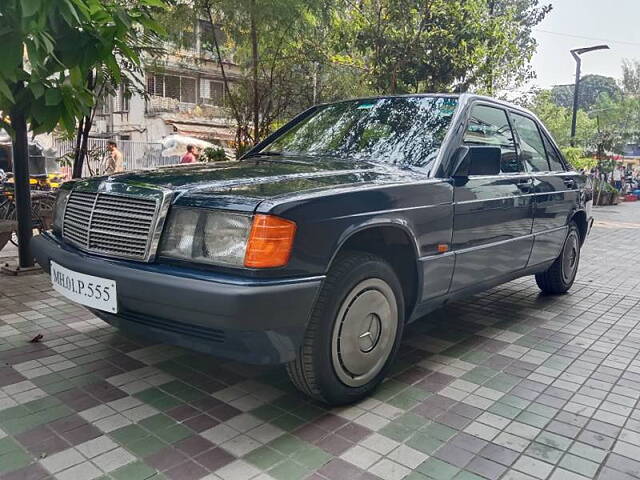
column 583, row 23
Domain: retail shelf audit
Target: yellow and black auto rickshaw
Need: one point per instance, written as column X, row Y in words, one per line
column 44, row 171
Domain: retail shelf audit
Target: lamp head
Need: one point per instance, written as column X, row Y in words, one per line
column 580, row 51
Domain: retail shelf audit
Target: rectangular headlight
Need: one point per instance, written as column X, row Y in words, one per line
column 206, row 236
column 58, row 209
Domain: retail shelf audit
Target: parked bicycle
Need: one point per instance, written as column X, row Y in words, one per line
column 42, row 203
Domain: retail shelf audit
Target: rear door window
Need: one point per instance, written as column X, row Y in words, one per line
column 555, row 160
column 490, row 126
column 532, row 149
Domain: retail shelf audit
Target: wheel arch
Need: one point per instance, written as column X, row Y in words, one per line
column 393, row 241
column 580, row 219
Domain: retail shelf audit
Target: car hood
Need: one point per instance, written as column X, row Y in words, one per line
column 242, row 185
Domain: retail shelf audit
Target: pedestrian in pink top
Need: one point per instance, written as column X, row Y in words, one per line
column 190, row 156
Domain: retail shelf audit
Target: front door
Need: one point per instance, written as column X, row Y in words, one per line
column 493, row 215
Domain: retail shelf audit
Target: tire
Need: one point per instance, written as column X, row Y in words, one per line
column 559, row 277
column 353, row 333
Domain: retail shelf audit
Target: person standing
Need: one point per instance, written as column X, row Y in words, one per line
column 115, row 160
column 617, row 178
column 190, row 156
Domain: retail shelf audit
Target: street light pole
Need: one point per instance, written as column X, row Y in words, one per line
column 576, row 89
column 576, row 93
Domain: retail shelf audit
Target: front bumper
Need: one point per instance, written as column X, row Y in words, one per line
column 249, row 320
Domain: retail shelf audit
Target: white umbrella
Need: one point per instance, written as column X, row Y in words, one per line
column 4, row 136
column 177, row 145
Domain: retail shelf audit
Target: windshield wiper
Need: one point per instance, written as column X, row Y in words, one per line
column 273, row 160
column 264, row 153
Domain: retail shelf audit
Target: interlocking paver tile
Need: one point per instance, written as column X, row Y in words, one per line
column 520, row 386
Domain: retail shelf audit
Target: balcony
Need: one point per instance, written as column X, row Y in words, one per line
column 158, row 105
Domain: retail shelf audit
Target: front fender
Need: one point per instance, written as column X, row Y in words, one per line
column 373, row 223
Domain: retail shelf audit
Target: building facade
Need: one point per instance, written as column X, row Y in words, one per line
column 184, row 95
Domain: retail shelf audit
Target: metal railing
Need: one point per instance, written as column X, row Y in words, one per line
column 137, row 155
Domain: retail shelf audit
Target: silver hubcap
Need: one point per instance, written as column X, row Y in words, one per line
column 364, row 332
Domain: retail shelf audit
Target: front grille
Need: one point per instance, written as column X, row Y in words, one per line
column 115, row 225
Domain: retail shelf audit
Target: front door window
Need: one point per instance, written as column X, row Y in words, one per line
column 490, row 126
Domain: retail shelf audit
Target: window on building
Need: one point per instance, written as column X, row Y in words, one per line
column 187, row 90
column 188, row 39
column 206, row 40
column 121, row 99
column 155, row 84
column 172, row 86
column 211, row 92
column 103, row 105
column 178, row 87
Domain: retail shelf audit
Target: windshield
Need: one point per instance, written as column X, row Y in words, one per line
column 403, row 131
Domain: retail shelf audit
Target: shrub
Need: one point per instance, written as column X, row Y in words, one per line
column 214, row 154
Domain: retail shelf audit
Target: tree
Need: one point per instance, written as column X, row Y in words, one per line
column 591, row 88
column 439, row 45
column 48, row 50
column 618, row 123
column 509, row 65
column 631, row 77
column 122, row 72
column 557, row 119
column 576, row 158
column 294, row 53
column 275, row 45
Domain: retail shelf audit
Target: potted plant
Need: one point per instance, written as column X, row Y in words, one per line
column 605, row 194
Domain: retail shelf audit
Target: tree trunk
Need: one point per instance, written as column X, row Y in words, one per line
column 225, row 79
column 82, row 143
column 394, row 81
column 22, row 189
column 76, row 152
column 84, row 128
column 254, row 68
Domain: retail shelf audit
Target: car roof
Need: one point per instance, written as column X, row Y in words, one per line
column 462, row 97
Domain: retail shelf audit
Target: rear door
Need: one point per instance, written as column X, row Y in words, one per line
column 555, row 188
column 493, row 215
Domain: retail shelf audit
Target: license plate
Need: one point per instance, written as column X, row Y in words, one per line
column 95, row 292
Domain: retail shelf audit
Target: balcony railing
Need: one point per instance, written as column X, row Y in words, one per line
column 157, row 104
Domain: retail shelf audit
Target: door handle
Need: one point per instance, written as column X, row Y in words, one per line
column 569, row 182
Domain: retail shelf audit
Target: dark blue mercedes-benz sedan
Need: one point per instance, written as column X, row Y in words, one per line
column 324, row 240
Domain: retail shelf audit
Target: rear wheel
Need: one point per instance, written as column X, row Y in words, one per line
column 354, row 331
column 559, row 277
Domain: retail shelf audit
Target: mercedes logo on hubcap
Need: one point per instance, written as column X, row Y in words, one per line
column 369, row 338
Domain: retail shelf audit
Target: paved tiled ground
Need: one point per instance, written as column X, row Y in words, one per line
column 509, row 384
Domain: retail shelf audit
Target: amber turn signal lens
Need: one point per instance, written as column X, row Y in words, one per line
column 270, row 242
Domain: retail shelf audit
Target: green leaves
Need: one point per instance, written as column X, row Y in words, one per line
column 30, row 7
column 153, row 3
column 52, row 97
column 439, row 45
column 6, row 92
column 37, row 89
column 51, row 49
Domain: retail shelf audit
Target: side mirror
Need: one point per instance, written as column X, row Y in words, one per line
column 477, row 160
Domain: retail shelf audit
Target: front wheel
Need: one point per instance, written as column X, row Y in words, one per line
column 559, row 277
column 353, row 333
